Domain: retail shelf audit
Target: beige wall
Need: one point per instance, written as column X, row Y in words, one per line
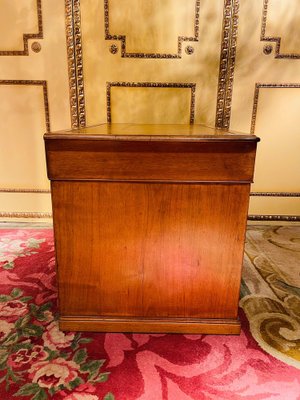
column 149, row 61
column 266, row 98
column 34, row 97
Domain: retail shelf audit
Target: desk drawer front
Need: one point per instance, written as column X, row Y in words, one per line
column 154, row 161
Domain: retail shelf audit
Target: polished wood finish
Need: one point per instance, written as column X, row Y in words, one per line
column 150, row 229
column 150, row 132
column 154, row 325
column 152, row 161
column 152, row 248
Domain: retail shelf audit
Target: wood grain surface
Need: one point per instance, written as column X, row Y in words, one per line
column 229, row 161
column 151, row 250
column 154, row 325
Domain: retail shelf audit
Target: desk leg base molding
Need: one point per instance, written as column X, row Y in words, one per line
column 143, row 325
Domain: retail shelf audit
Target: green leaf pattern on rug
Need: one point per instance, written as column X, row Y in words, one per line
column 32, row 348
column 109, row 396
column 11, row 249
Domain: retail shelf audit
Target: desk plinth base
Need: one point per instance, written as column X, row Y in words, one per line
column 153, row 325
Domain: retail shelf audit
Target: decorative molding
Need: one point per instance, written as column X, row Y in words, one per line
column 36, row 47
column 189, row 50
column 227, row 63
column 191, row 86
column 258, row 86
column 122, row 38
column 268, row 48
column 113, row 49
column 291, row 218
column 27, row 36
column 276, row 194
column 276, row 39
column 25, row 215
column 9, row 190
column 75, row 63
column 79, row 62
column 34, row 83
column 71, row 63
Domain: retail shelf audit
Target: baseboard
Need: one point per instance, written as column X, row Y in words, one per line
column 149, row 325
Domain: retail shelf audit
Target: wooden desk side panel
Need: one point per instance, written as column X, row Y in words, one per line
column 149, row 250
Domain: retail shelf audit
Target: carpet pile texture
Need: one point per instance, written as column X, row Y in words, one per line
column 39, row 362
column 271, row 289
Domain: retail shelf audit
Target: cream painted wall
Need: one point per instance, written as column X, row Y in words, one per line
column 152, row 31
column 275, row 118
column 34, row 96
column 34, row 86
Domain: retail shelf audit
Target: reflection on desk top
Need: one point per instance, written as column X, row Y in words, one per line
column 155, row 132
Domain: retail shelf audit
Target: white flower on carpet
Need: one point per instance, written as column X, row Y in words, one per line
column 48, row 374
column 11, row 249
column 48, row 316
column 55, row 339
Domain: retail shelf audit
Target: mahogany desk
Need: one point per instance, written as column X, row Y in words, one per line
column 149, row 225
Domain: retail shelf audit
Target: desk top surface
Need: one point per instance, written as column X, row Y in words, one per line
column 155, row 132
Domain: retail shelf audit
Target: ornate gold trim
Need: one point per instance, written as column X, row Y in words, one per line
column 75, row 63
column 191, row 86
column 276, row 194
column 25, row 215
column 71, row 63
column 9, row 190
column 36, row 47
column 122, row 38
column 291, row 218
column 258, row 86
column 276, row 39
column 36, row 83
column 227, row 63
column 27, row 36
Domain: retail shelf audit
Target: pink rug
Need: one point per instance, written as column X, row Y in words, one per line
column 39, row 362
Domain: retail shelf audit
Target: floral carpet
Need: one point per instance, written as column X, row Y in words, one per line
column 39, row 362
column 271, row 289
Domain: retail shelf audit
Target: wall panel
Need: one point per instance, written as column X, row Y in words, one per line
column 34, row 98
column 227, row 63
column 153, row 42
column 19, row 22
column 22, row 162
column 266, row 99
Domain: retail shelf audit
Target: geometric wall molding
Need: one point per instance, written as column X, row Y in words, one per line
column 276, row 39
column 122, row 38
column 290, row 218
column 191, row 86
column 27, row 36
column 43, row 84
column 259, row 86
column 226, row 69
